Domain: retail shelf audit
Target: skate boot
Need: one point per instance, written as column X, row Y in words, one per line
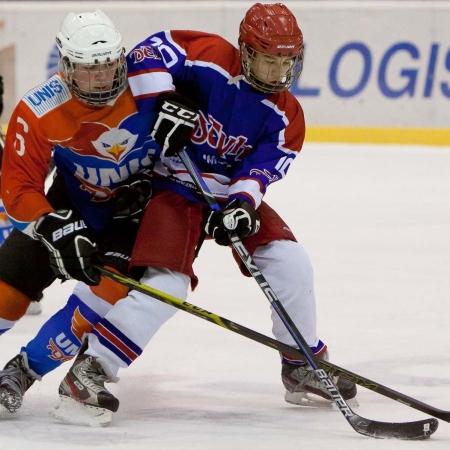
column 84, row 400
column 15, row 379
column 304, row 389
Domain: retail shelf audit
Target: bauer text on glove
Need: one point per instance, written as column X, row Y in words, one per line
column 73, row 254
column 238, row 217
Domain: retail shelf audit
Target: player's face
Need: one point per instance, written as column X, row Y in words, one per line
column 271, row 70
column 95, row 78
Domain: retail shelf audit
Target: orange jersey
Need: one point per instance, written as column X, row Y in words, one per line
column 95, row 148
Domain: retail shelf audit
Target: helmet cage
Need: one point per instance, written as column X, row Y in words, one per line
column 270, row 73
column 95, row 83
column 92, row 57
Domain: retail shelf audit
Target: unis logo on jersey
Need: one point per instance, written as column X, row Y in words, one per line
column 100, row 141
column 102, row 156
column 47, row 96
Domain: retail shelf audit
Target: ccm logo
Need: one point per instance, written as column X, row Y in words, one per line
column 180, row 112
column 68, row 229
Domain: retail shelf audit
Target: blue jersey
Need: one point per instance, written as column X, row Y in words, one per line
column 95, row 148
column 245, row 139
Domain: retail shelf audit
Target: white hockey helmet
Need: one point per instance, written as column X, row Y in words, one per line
column 90, row 46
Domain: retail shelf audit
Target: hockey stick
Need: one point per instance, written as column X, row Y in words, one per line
column 409, row 430
column 361, row 425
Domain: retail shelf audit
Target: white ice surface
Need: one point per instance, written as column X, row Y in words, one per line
column 375, row 221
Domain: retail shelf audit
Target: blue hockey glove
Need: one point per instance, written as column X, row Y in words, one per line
column 238, row 216
column 133, row 198
column 73, row 254
column 178, row 116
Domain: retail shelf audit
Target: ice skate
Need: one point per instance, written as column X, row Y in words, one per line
column 304, row 389
column 15, row 379
column 84, row 400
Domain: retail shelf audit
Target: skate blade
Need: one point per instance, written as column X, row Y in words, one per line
column 71, row 411
column 309, row 400
column 4, row 411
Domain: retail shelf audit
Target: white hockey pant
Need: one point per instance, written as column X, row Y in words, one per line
column 284, row 264
column 138, row 316
column 287, row 268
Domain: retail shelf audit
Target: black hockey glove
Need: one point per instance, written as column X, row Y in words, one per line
column 177, row 118
column 238, row 216
column 72, row 253
column 133, row 198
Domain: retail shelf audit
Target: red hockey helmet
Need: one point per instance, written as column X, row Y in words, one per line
column 270, row 33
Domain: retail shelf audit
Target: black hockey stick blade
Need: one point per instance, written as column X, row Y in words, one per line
column 421, row 429
column 418, row 430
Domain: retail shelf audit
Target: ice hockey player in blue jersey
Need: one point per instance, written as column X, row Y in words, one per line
column 248, row 129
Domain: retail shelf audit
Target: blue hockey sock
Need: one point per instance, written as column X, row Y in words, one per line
column 61, row 336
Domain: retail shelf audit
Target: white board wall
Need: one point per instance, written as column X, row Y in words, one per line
column 367, row 63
